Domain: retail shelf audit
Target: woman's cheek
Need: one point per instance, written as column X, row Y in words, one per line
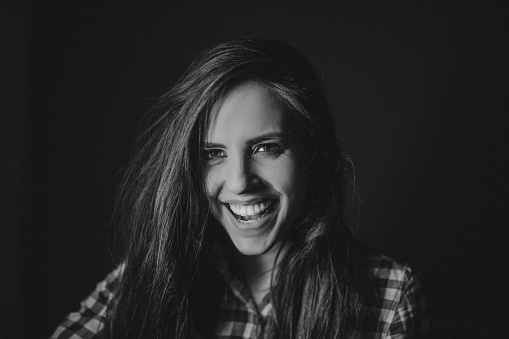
column 211, row 182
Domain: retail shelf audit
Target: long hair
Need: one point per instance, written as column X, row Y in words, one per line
column 167, row 233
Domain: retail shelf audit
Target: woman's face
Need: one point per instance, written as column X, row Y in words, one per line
column 254, row 169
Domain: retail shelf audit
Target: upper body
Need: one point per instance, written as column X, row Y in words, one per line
column 399, row 310
column 241, row 157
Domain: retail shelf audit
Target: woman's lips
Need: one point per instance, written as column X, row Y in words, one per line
column 250, row 213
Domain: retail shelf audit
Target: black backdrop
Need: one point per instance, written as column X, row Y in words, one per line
column 419, row 103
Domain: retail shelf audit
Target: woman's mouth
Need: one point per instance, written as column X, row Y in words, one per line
column 250, row 213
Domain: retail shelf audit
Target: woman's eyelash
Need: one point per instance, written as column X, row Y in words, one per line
column 270, row 149
column 213, row 153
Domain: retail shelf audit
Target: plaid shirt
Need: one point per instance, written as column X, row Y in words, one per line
column 400, row 307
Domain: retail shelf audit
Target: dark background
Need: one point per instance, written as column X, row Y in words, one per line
column 418, row 94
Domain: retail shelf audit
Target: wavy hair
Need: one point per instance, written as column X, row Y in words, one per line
column 166, row 233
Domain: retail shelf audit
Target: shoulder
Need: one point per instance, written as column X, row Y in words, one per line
column 388, row 273
column 399, row 305
column 89, row 320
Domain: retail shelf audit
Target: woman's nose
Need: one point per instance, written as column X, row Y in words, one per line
column 241, row 176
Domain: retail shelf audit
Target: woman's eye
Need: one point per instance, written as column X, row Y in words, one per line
column 270, row 149
column 212, row 154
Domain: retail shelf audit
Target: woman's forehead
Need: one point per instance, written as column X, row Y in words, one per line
column 247, row 110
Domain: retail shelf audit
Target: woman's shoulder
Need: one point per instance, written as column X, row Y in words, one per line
column 385, row 269
column 392, row 278
column 400, row 303
column 89, row 320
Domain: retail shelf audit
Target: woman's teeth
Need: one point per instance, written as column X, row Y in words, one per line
column 250, row 213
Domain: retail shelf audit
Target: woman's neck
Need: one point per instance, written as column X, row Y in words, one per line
column 257, row 270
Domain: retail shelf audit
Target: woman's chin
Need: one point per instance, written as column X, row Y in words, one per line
column 251, row 247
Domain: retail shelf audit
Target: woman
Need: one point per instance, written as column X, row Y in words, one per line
column 231, row 217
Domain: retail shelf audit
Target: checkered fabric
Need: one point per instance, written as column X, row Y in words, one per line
column 88, row 322
column 400, row 310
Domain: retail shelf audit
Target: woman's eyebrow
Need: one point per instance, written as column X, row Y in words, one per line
column 213, row 145
column 267, row 136
column 253, row 141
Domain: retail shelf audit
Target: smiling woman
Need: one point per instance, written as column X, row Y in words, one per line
column 255, row 170
column 230, row 217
